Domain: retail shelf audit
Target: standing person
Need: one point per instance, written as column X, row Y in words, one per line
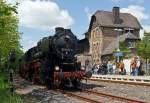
column 11, row 67
column 100, row 70
column 88, row 66
column 110, row 67
column 104, row 66
column 133, row 67
column 122, row 69
column 114, row 68
column 139, row 64
column 95, row 69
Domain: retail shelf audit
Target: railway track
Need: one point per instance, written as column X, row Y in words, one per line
column 128, row 100
column 77, row 96
column 122, row 82
column 88, row 94
column 101, row 97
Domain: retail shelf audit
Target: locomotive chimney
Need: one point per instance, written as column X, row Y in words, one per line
column 68, row 30
column 116, row 15
column 59, row 29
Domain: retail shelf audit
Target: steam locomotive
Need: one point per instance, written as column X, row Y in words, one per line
column 52, row 62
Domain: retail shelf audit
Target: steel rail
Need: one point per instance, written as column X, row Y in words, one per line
column 79, row 97
column 114, row 96
column 128, row 100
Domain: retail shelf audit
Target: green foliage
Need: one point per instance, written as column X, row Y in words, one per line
column 143, row 46
column 9, row 33
column 5, row 95
column 3, row 82
column 123, row 48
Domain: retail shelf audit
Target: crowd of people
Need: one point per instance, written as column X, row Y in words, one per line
column 136, row 66
column 110, row 67
column 104, row 68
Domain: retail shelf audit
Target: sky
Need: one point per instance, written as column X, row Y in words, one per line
column 38, row 18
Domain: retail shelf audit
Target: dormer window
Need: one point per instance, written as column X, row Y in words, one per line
column 126, row 31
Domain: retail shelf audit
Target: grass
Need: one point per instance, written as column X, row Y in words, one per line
column 5, row 94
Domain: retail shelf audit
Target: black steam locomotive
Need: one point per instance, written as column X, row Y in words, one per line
column 52, row 61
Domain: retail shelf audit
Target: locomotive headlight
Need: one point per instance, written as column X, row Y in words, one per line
column 82, row 68
column 56, row 68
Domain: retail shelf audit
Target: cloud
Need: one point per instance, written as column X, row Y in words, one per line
column 27, row 43
column 137, row 1
column 10, row 1
column 137, row 11
column 88, row 13
column 42, row 14
column 13, row 1
column 146, row 28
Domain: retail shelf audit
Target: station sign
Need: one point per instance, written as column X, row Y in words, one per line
column 118, row 54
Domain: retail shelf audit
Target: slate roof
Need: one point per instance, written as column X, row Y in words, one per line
column 105, row 18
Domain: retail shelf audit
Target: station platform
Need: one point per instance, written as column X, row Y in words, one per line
column 127, row 78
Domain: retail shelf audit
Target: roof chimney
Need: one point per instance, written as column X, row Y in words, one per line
column 116, row 15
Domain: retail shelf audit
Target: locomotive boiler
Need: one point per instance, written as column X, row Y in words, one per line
column 52, row 62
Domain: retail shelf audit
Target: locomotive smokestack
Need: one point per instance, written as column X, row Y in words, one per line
column 59, row 29
column 68, row 30
column 116, row 15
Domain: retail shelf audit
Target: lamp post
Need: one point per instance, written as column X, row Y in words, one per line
column 118, row 53
column 118, row 30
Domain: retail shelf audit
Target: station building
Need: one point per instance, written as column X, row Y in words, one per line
column 105, row 30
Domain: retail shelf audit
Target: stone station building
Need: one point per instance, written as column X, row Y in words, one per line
column 105, row 31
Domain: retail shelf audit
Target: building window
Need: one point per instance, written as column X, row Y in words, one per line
column 96, row 32
column 131, row 44
column 93, row 34
column 127, row 31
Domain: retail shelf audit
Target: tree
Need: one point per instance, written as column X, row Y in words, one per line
column 143, row 46
column 9, row 33
column 123, row 47
column 143, row 49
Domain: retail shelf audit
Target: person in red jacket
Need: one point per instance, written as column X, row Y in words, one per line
column 133, row 67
